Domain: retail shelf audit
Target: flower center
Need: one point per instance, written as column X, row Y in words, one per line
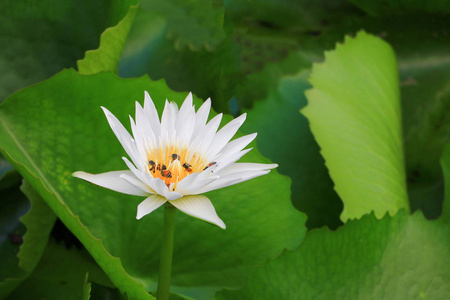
column 172, row 164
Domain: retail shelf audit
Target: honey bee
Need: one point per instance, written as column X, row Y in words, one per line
column 187, row 167
column 209, row 165
column 175, row 157
column 166, row 173
column 152, row 166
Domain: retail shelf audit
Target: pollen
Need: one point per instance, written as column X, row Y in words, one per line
column 172, row 164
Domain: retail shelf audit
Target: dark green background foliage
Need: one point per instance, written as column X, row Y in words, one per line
column 315, row 228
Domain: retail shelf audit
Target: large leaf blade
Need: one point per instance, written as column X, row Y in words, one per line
column 74, row 135
column 401, row 257
column 354, row 113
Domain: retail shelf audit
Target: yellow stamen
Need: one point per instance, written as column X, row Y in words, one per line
column 173, row 158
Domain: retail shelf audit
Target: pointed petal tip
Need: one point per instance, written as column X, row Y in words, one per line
column 140, row 213
column 221, row 224
column 200, row 207
column 149, row 205
column 147, row 98
column 78, row 174
column 105, row 110
column 137, row 105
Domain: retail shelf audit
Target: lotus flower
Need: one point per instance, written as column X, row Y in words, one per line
column 179, row 158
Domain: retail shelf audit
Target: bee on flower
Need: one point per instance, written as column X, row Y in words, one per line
column 178, row 158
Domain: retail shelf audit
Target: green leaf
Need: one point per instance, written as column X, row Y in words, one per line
column 206, row 72
column 354, row 113
column 304, row 17
column 401, row 257
column 13, row 204
column 60, row 271
column 60, row 139
column 38, row 222
column 397, row 7
column 425, row 89
column 423, row 62
column 45, row 36
column 5, row 166
column 197, row 25
column 86, row 288
column 445, row 163
column 258, row 85
column 112, row 41
column 296, row 151
column 10, row 179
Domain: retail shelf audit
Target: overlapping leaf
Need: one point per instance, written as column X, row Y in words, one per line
column 197, row 25
column 295, row 151
column 37, row 224
column 13, row 205
column 398, row 7
column 61, row 272
column 445, row 162
column 404, row 257
column 354, row 113
column 60, row 138
column 206, row 72
column 41, row 37
column 112, row 41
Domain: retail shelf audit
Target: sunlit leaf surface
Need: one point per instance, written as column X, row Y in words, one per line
column 354, row 114
column 284, row 137
column 74, row 135
column 404, row 257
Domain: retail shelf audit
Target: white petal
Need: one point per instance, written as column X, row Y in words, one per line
column 236, row 173
column 137, row 183
column 224, row 135
column 191, row 184
column 202, row 115
column 155, row 185
column 152, row 114
column 218, row 184
column 185, row 122
column 222, row 162
column 137, row 173
column 168, row 121
column 122, row 135
column 205, row 136
column 172, row 195
column 199, row 207
column 185, row 109
column 237, row 145
column 186, row 129
column 149, row 205
column 187, row 182
column 244, row 167
column 159, row 186
column 146, row 134
column 139, row 144
column 112, row 181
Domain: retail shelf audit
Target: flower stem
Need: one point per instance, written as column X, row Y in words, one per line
column 165, row 264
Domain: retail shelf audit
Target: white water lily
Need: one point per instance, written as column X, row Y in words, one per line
column 178, row 158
